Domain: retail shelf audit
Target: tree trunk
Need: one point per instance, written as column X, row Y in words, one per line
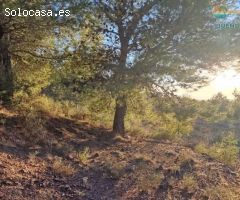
column 120, row 112
column 6, row 76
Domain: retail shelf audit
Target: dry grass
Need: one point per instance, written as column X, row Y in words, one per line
column 115, row 171
column 189, row 182
column 32, row 156
column 119, row 138
column 149, row 181
column 6, row 112
column 60, row 167
column 223, row 193
column 146, row 177
column 34, row 128
column 83, row 156
column 140, row 157
column 225, row 151
column 185, row 157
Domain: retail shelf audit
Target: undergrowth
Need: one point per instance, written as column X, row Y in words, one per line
column 226, row 150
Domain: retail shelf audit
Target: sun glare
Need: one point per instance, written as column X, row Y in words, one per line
column 229, row 79
column 225, row 82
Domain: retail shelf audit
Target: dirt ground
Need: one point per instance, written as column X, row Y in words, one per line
column 80, row 161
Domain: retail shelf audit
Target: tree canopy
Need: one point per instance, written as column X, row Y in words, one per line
column 114, row 46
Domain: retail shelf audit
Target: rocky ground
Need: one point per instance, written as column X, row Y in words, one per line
column 80, row 161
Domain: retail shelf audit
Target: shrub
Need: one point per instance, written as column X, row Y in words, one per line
column 189, row 182
column 185, row 157
column 113, row 169
column 83, row 156
column 149, row 181
column 223, row 193
column 172, row 129
column 61, row 168
column 34, row 128
column 201, row 148
column 225, row 151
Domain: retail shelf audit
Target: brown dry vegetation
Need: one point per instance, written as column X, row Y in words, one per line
column 79, row 161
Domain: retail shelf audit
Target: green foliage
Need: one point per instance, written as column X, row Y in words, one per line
column 32, row 78
column 146, row 118
column 215, row 109
column 226, row 150
column 172, row 128
column 78, row 72
column 83, row 156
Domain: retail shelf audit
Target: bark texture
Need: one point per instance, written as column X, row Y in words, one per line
column 120, row 112
column 6, row 76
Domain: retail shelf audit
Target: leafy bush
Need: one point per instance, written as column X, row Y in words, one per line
column 173, row 129
column 225, row 151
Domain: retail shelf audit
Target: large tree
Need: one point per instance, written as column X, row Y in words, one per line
column 145, row 39
column 27, row 40
column 6, row 77
column 159, row 45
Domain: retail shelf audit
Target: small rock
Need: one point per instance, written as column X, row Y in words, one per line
column 72, row 155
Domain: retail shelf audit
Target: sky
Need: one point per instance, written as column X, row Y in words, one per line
column 225, row 81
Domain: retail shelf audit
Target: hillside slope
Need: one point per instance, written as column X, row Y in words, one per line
column 79, row 161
